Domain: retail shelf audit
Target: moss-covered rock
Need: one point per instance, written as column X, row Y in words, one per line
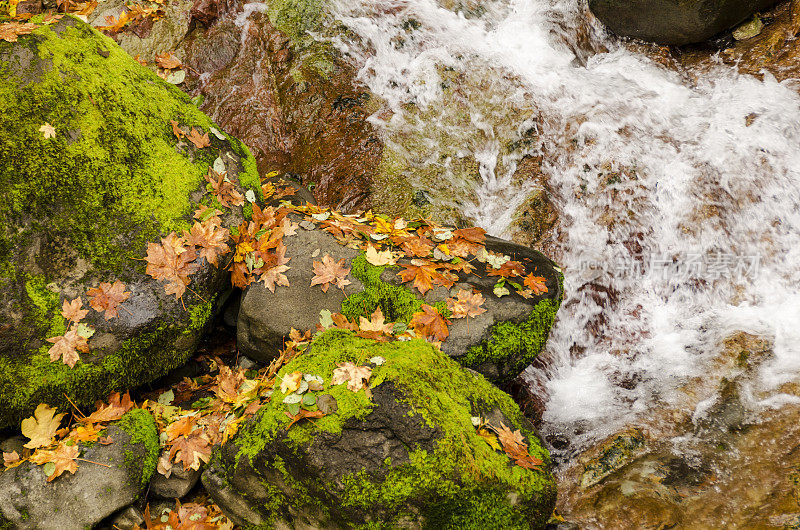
column 108, row 478
column 79, row 208
column 405, row 455
column 499, row 343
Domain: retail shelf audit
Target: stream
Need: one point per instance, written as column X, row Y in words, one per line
column 678, row 214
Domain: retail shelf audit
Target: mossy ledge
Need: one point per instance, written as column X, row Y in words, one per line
column 80, row 207
column 457, row 482
column 141, row 427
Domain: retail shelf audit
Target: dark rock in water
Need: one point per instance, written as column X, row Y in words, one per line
column 405, row 455
column 81, row 500
column 79, row 205
column 674, row 21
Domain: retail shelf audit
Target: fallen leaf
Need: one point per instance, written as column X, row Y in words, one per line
column 379, row 258
column 11, row 459
column 167, row 61
column 507, row 269
column 376, row 325
column 48, row 130
column 303, row 413
column 108, row 297
column 210, row 237
column 198, row 140
column 176, row 130
column 63, row 457
column 355, row 376
column 72, row 310
column 291, row 382
column 430, row 324
column 67, row 346
column 41, row 427
column 85, row 433
column 328, row 271
column 116, row 408
column 425, row 274
column 9, row 31
column 537, row 284
column 467, row 304
column 191, row 450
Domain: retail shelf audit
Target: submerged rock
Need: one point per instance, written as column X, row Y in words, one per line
column 115, row 476
column 402, row 452
column 674, row 21
column 91, row 172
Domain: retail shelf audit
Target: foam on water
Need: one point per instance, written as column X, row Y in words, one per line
column 705, row 173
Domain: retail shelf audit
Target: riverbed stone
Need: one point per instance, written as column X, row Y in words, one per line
column 674, row 21
column 404, row 453
column 95, row 491
column 79, row 205
column 179, row 482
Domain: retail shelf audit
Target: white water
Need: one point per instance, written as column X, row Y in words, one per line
column 704, row 184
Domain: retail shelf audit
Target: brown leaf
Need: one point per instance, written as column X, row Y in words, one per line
column 175, row 129
column 107, row 297
column 355, row 376
column 167, row 61
column 225, row 191
column 467, row 304
column 116, row 408
column 198, row 140
column 425, row 274
column 11, row 459
column 303, row 414
column 328, row 271
column 376, row 324
column 210, row 237
column 537, row 284
column 63, row 457
column 172, row 262
column 507, row 269
column 430, row 324
column 72, row 310
column 191, row 450
column 9, row 31
column 41, row 427
column 67, row 346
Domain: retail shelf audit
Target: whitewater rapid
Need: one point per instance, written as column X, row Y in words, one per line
column 678, row 197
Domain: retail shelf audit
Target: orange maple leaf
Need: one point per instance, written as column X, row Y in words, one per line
column 191, row 450
column 198, row 140
column 172, row 262
column 467, row 304
column 210, row 237
column 108, row 297
column 63, row 457
column 116, row 408
column 329, row 271
column 9, row 31
column 429, row 323
column 507, row 269
column 167, row 61
column 176, row 130
column 537, row 284
column 224, row 190
column 72, row 310
column 67, row 346
column 425, row 274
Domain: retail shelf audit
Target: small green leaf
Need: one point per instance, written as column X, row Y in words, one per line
column 49, row 468
column 177, row 77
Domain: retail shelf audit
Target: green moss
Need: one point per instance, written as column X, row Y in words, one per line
column 112, row 173
column 515, row 346
column 462, row 473
column 46, row 307
column 397, row 303
column 141, row 427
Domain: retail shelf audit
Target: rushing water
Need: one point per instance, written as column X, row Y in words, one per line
column 678, row 197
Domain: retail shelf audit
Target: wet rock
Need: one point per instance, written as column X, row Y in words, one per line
column 406, row 454
column 674, row 21
column 15, row 443
column 499, row 343
column 82, row 210
column 179, row 482
column 292, row 99
column 128, row 519
column 536, row 217
column 613, row 455
column 96, row 490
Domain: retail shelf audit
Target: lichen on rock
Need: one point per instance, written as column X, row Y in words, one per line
column 408, row 454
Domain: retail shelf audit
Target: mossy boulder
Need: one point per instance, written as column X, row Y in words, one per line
column 499, row 343
column 114, row 477
column 405, row 455
column 79, row 208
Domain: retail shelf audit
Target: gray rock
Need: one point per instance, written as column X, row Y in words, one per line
column 265, row 318
column 128, row 518
column 177, row 485
column 674, row 21
column 15, row 443
column 80, row 500
column 499, row 343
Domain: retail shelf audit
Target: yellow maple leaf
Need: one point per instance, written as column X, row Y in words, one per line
column 42, row 426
